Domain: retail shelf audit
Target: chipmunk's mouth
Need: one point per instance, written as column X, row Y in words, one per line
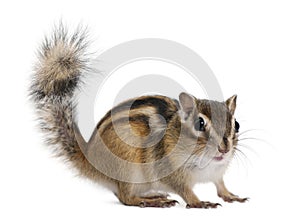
column 218, row 158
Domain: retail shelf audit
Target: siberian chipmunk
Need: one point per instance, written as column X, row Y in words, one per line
column 196, row 138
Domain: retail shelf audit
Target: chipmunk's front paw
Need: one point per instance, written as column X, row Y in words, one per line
column 233, row 198
column 203, row 205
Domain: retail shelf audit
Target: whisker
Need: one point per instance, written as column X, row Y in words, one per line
column 250, row 138
column 242, row 165
column 248, row 148
column 249, row 130
column 244, row 155
column 239, row 159
column 255, row 139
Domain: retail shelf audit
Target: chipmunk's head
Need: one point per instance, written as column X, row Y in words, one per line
column 211, row 123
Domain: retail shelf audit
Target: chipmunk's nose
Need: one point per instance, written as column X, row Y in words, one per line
column 223, row 150
column 223, row 147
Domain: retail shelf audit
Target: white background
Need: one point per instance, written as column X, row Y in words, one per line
column 253, row 48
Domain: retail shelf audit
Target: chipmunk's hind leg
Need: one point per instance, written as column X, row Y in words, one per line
column 154, row 194
column 127, row 197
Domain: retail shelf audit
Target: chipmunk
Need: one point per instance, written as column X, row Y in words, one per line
column 195, row 138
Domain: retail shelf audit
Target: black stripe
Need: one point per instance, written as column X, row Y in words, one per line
column 135, row 118
column 107, row 115
column 159, row 150
column 162, row 107
column 140, row 118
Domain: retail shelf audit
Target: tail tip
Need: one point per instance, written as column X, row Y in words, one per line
column 62, row 59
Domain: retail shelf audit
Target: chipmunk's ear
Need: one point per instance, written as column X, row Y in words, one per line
column 187, row 103
column 231, row 103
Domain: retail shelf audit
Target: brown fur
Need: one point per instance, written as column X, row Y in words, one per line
column 146, row 130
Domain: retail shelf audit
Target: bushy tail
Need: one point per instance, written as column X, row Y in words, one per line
column 62, row 61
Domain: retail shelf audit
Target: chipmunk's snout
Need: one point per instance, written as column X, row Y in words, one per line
column 224, row 146
column 223, row 150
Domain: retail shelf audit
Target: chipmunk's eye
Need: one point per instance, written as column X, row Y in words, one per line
column 236, row 126
column 199, row 124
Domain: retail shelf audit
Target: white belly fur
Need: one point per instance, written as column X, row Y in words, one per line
column 209, row 171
